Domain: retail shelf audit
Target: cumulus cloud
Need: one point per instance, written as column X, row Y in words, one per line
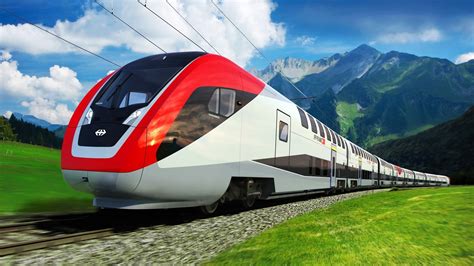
column 305, row 40
column 427, row 35
column 62, row 82
column 97, row 29
column 49, row 110
column 42, row 96
column 464, row 58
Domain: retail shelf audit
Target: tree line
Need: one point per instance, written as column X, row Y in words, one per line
column 19, row 130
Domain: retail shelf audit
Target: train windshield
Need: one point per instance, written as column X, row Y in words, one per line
column 134, row 87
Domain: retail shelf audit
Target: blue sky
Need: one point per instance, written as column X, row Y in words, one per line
column 302, row 29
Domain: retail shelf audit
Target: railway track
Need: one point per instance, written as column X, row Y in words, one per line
column 47, row 232
column 46, row 242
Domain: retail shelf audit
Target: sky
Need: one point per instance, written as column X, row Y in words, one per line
column 46, row 77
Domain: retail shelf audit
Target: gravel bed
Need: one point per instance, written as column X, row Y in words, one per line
column 192, row 242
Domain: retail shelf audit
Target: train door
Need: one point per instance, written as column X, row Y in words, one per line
column 360, row 172
column 282, row 143
column 332, row 179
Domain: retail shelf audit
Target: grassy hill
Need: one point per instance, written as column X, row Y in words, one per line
column 447, row 149
column 407, row 227
column 31, row 181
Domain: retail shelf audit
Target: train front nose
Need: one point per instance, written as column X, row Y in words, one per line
column 104, row 149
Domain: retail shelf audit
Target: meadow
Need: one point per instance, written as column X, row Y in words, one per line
column 31, row 181
column 417, row 226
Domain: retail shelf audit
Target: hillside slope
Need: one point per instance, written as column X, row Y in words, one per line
column 445, row 149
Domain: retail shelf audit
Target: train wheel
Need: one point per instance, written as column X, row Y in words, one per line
column 248, row 202
column 209, row 209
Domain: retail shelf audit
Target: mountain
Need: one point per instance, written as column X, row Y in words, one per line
column 294, row 68
column 350, row 66
column 382, row 96
column 446, row 149
column 402, row 94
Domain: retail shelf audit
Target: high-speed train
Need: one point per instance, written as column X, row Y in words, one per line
column 194, row 129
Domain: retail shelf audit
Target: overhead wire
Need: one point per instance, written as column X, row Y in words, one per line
column 169, row 24
column 280, row 72
column 57, row 36
column 190, row 25
column 128, row 25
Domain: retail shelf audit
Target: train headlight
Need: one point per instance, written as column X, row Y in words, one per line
column 129, row 121
column 88, row 118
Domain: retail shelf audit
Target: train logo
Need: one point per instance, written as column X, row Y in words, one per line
column 100, row 132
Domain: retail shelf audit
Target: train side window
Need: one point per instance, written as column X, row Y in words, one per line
column 283, row 131
column 338, row 138
column 321, row 130
column 327, row 133
column 313, row 125
column 222, row 102
column 304, row 120
column 352, row 146
column 333, row 137
column 213, row 105
column 343, row 143
column 227, row 102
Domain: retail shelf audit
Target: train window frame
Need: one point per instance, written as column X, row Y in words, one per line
column 313, row 125
column 338, row 138
column 321, row 128
column 333, row 136
column 303, row 118
column 281, row 130
column 328, row 133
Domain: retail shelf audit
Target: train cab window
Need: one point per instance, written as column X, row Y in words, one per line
column 304, row 120
column 222, row 102
column 133, row 87
column 313, row 125
column 283, row 131
column 321, row 130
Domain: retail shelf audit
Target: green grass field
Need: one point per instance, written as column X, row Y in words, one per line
column 31, row 181
column 422, row 226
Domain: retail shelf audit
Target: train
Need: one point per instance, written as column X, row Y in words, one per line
column 194, row 129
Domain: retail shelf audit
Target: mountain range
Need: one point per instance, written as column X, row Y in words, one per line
column 445, row 149
column 369, row 96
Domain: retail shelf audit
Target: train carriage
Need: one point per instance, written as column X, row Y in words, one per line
column 194, row 129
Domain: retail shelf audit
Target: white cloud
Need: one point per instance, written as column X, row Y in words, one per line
column 464, row 58
column 5, row 55
column 62, row 83
column 97, row 29
column 8, row 114
column 427, row 35
column 305, row 40
column 48, row 110
column 42, row 96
